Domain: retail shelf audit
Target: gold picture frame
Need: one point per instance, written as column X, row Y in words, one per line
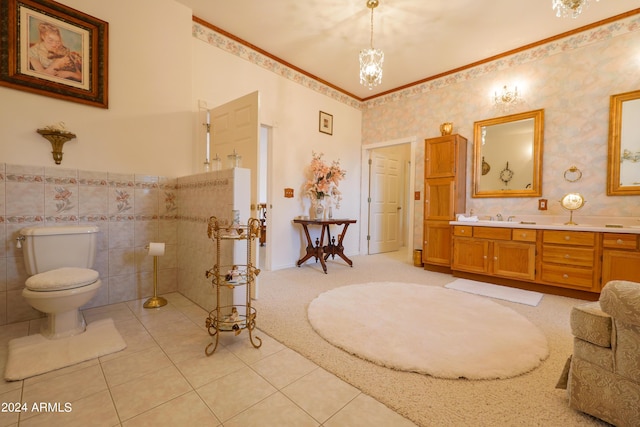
column 326, row 123
column 623, row 162
column 53, row 50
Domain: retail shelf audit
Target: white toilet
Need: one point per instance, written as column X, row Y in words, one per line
column 58, row 261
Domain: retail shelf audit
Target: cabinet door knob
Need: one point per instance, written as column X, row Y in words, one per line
column 567, row 256
column 567, row 238
column 619, row 241
column 566, row 276
column 484, row 257
column 495, row 258
column 462, row 231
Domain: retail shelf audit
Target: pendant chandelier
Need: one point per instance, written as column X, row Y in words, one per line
column 371, row 59
column 565, row 8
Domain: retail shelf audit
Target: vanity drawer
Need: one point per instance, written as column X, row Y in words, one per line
column 463, row 230
column 582, row 257
column 568, row 276
column 524, row 235
column 561, row 237
column 620, row 241
column 492, row 233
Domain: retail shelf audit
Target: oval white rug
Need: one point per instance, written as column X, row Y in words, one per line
column 428, row 329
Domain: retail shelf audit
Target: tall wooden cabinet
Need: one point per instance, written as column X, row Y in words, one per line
column 445, row 161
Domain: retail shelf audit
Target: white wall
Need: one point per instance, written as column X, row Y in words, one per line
column 158, row 71
column 157, row 74
column 292, row 111
column 148, row 126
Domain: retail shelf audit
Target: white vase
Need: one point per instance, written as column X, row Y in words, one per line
column 319, row 209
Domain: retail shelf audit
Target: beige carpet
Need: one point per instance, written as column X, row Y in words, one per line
column 429, row 329
column 34, row 355
column 530, row 399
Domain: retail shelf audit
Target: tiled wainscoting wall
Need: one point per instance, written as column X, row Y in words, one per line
column 130, row 210
column 200, row 197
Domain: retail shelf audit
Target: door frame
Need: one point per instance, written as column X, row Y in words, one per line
column 364, row 190
column 268, row 174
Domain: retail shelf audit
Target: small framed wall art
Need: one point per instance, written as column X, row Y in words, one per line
column 326, row 123
column 53, row 50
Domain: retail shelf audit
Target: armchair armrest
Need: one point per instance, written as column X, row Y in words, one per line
column 621, row 300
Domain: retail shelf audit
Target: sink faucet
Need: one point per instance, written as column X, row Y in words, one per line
column 499, row 217
column 511, row 218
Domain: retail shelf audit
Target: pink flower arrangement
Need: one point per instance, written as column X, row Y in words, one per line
column 325, row 179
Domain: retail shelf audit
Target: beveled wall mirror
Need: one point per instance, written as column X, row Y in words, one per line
column 623, row 177
column 507, row 156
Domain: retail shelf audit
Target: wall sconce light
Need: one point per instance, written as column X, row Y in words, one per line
column 57, row 135
column 506, row 98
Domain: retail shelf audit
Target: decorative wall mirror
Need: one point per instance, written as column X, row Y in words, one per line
column 623, row 177
column 507, row 156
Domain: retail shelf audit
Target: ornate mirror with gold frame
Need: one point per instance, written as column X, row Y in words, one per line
column 623, row 165
column 507, row 156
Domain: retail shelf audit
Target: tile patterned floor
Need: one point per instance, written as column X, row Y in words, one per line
column 163, row 378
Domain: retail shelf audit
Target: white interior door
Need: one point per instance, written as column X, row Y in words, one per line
column 235, row 126
column 384, row 200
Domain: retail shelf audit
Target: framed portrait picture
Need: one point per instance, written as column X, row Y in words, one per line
column 53, row 50
column 326, row 123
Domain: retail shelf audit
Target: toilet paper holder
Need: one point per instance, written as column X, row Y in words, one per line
column 156, row 250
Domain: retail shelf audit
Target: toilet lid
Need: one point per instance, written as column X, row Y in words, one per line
column 62, row 278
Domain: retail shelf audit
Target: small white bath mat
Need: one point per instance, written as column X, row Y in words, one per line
column 34, row 354
column 496, row 291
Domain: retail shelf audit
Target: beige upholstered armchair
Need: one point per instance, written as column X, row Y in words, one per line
column 604, row 377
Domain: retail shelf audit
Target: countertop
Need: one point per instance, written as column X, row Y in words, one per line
column 629, row 225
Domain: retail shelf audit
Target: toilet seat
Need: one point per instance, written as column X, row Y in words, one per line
column 62, row 279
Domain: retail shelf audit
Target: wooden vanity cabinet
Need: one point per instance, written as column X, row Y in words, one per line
column 444, row 195
column 567, row 262
column 570, row 259
column 469, row 254
column 503, row 252
column 516, row 259
column 620, row 257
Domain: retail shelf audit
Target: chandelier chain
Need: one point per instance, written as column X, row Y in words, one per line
column 371, row 39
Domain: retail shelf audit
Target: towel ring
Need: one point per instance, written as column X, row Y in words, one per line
column 572, row 174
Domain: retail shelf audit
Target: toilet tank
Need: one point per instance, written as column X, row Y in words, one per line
column 47, row 248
